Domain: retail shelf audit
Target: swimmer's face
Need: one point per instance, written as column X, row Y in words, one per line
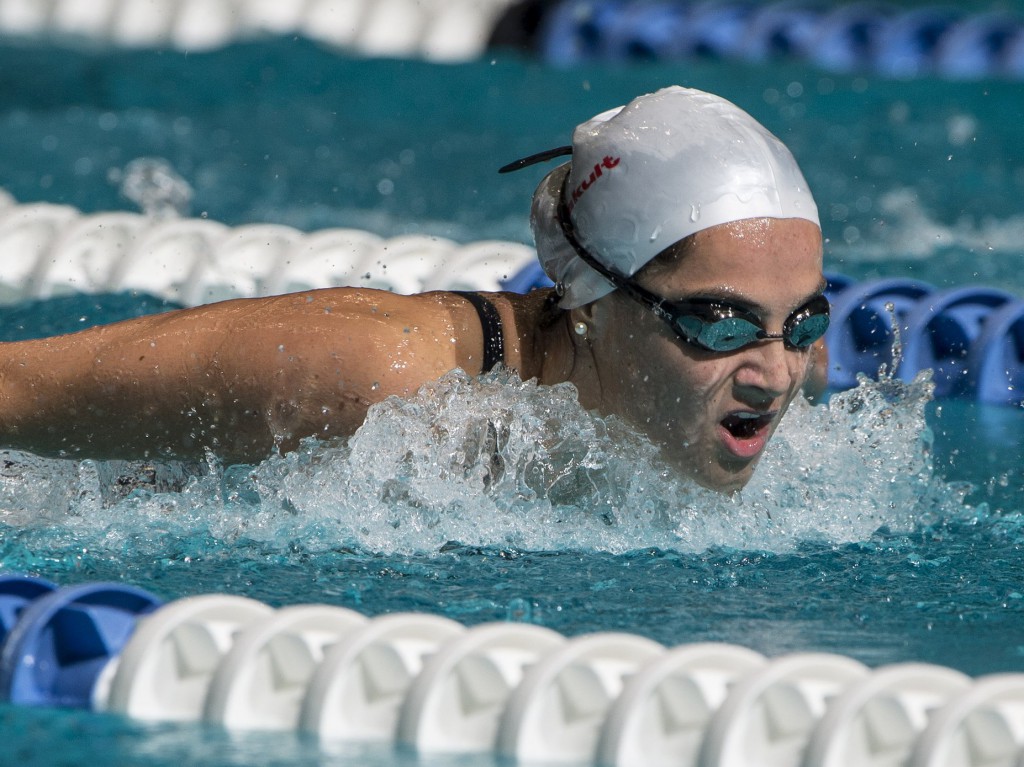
column 712, row 413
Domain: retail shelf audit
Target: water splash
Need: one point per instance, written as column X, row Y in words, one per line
column 497, row 463
column 862, row 464
column 153, row 185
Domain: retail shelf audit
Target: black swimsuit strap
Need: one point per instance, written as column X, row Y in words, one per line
column 490, row 324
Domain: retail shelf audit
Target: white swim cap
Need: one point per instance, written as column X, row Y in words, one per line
column 647, row 175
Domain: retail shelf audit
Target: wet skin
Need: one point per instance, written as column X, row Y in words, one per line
column 712, row 413
column 244, row 377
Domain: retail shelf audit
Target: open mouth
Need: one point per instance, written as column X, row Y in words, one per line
column 745, row 433
column 746, row 425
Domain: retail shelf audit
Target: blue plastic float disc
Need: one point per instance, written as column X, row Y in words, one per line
column 860, row 337
column 835, row 284
column 780, row 30
column 62, row 641
column 941, row 329
column 647, row 31
column 976, row 47
column 1012, row 64
column 906, row 45
column 526, row 279
column 574, row 32
column 16, row 592
column 995, row 362
column 719, row 28
column 846, row 36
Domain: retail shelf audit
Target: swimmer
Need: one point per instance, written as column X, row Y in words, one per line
column 687, row 257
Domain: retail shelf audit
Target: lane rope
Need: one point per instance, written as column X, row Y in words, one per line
column 862, row 37
column 518, row 691
column 971, row 337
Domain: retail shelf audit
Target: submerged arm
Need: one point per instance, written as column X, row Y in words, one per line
column 236, row 377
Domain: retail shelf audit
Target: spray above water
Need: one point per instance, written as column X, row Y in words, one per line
column 153, row 185
column 504, row 464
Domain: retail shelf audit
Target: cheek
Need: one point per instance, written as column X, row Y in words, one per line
column 678, row 387
column 704, row 378
column 650, row 378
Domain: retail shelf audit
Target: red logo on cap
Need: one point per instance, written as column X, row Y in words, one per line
column 607, row 164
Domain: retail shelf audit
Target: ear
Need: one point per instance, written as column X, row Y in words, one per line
column 589, row 313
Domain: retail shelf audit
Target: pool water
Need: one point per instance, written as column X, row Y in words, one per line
column 886, row 527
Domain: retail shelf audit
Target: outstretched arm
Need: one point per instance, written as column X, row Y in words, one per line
column 237, row 377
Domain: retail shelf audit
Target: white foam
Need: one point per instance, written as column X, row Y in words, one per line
column 504, row 464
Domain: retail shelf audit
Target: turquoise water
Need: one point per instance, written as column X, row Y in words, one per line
column 916, row 178
column 886, row 527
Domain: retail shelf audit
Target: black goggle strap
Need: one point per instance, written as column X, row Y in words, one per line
column 709, row 312
column 656, row 304
column 620, row 281
column 533, row 159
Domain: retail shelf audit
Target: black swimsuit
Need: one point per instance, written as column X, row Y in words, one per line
column 490, row 324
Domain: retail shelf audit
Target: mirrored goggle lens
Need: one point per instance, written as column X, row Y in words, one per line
column 807, row 330
column 728, row 334
column 733, row 333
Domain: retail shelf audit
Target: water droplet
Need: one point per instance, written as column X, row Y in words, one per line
column 694, row 213
column 519, row 611
column 156, row 188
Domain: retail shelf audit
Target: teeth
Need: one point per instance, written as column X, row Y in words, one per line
column 747, row 416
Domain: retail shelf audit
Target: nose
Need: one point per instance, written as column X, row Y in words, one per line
column 769, row 369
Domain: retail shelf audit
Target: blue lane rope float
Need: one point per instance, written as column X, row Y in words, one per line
column 62, row 640
column 870, row 37
column 16, row 592
column 995, row 371
column 940, row 331
column 860, row 338
column 857, row 37
column 972, row 337
column 527, row 694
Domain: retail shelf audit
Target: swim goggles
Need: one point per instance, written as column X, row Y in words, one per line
column 710, row 324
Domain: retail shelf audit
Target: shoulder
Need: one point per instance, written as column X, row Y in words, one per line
column 398, row 340
column 386, row 342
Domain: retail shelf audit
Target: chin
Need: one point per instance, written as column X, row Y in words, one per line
column 725, row 484
column 713, row 475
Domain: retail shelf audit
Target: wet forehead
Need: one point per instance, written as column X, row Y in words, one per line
column 764, row 263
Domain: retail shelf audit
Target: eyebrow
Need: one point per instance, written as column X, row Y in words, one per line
column 729, row 296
